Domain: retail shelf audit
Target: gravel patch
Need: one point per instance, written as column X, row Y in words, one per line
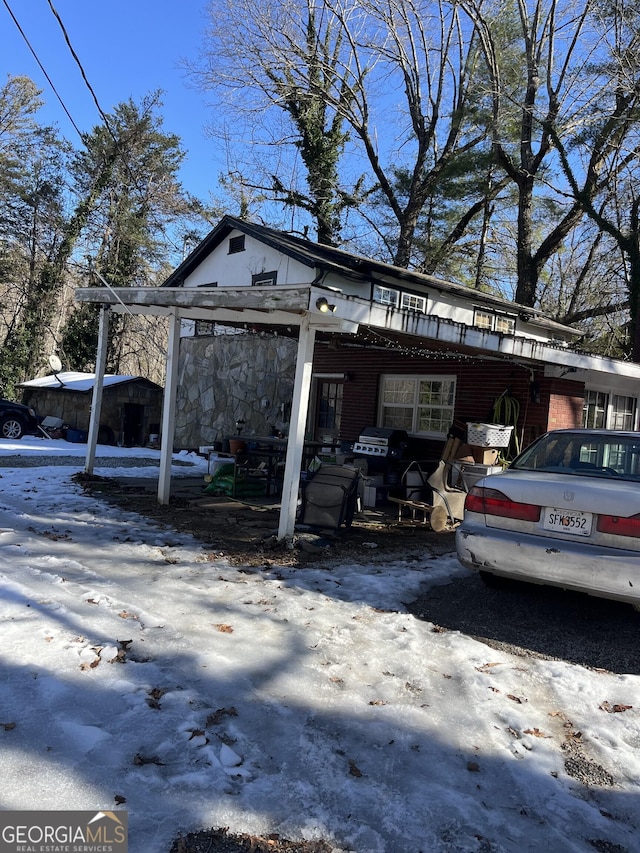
column 537, row 621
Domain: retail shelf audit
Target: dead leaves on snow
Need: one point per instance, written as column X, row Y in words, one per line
column 54, row 535
column 120, row 656
column 614, row 709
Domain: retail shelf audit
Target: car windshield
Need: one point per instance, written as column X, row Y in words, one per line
column 584, row 454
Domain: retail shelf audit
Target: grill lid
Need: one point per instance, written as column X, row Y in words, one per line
column 385, row 436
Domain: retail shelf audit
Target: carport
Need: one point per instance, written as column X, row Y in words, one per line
column 307, row 310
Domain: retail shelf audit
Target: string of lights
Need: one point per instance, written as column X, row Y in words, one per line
column 371, row 337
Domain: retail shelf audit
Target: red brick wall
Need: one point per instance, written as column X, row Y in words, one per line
column 566, row 400
column 549, row 404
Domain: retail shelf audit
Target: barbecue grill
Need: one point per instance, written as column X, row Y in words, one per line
column 381, row 442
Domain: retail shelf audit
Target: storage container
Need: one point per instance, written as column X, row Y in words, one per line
column 489, row 435
column 472, row 473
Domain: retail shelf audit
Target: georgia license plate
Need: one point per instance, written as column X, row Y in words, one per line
column 564, row 521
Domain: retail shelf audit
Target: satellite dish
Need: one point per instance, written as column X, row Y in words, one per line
column 54, row 363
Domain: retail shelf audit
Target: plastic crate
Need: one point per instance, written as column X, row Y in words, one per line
column 489, row 435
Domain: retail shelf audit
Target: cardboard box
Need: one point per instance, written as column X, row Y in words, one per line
column 485, row 456
column 464, row 452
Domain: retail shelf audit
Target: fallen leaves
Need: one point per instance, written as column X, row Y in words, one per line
column 614, row 709
column 218, row 716
column 487, row 667
column 354, row 769
column 153, row 700
column 224, row 629
column 536, row 732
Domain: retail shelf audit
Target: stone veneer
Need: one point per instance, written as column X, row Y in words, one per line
column 225, row 378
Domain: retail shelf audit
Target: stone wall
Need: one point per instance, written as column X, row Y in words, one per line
column 226, row 378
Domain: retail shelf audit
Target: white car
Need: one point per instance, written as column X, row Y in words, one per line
column 566, row 512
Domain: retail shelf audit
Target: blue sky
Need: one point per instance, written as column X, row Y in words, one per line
column 127, row 48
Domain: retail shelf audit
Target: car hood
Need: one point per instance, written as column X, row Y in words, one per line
column 568, row 491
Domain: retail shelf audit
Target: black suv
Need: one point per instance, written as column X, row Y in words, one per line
column 17, row 420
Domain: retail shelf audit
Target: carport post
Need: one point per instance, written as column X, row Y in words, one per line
column 297, row 425
column 169, row 410
column 98, row 383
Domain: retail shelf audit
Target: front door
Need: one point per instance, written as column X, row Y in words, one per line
column 328, row 409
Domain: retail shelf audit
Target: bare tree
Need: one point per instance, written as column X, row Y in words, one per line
column 387, row 84
column 542, row 83
column 602, row 161
column 289, row 55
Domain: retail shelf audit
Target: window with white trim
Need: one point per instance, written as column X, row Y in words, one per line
column 602, row 410
column 414, row 303
column 386, row 295
column 494, row 322
column 265, row 279
column 421, row 405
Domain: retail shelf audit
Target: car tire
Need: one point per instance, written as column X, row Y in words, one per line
column 11, row 427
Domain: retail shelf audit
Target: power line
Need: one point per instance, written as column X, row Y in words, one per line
column 105, row 119
column 82, row 71
column 42, row 68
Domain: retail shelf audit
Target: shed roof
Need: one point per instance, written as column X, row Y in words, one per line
column 82, row 382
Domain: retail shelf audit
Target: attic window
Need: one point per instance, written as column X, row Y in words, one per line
column 494, row 322
column 264, row 279
column 386, row 295
column 236, row 244
column 414, row 303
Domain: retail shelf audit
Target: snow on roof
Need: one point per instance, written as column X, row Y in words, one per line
column 74, row 381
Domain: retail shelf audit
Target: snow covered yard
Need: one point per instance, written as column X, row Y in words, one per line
column 138, row 674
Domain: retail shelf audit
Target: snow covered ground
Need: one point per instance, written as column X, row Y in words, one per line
column 136, row 674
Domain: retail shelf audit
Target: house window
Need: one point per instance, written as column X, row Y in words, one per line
column 594, row 412
column 203, row 327
column 414, row 303
column 493, row 322
column 418, row 404
column 264, row 279
column 623, row 412
column 328, row 408
column 609, row 411
column 236, row 244
column 386, row 295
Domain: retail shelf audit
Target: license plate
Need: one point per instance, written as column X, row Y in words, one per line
column 563, row 521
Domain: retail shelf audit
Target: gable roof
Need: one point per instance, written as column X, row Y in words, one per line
column 346, row 264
